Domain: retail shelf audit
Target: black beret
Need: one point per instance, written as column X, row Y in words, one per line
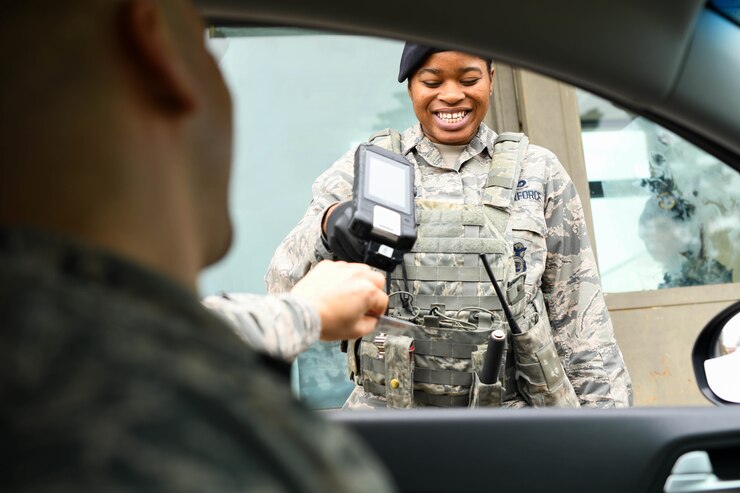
column 412, row 57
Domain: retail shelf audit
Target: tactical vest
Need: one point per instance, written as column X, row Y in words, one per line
column 443, row 288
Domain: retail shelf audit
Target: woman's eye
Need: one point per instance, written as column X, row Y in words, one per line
column 431, row 84
column 469, row 82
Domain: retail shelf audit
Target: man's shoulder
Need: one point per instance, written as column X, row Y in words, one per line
column 116, row 381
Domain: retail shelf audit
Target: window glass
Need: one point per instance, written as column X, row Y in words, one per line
column 301, row 100
column 665, row 213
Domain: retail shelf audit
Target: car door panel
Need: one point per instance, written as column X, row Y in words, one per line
column 630, row 450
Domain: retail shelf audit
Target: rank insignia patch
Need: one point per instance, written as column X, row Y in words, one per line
column 519, row 263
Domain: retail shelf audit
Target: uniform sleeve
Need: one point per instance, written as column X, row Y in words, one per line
column 303, row 248
column 575, row 302
column 282, row 326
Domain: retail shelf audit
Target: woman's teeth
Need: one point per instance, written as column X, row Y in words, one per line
column 452, row 117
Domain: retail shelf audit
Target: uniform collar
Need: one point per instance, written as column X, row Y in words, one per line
column 482, row 142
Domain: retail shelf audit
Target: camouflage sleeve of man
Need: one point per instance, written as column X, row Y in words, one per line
column 571, row 285
column 281, row 326
column 303, row 248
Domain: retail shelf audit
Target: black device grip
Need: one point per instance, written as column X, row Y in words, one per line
column 494, row 353
column 340, row 240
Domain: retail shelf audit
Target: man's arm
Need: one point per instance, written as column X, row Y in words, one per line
column 581, row 325
column 303, row 248
column 282, row 326
column 336, row 300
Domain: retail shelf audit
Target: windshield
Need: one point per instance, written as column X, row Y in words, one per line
column 664, row 216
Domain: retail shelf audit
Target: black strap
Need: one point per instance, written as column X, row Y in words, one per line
column 387, row 291
column 405, row 300
column 441, row 400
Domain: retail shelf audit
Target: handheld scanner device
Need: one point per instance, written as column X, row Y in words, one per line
column 383, row 203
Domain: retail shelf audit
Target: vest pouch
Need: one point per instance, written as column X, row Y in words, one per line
column 540, row 375
column 516, row 293
column 441, row 369
column 485, row 395
column 482, row 394
column 399, row 371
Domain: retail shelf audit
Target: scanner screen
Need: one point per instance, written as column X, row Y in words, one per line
column 388, row 182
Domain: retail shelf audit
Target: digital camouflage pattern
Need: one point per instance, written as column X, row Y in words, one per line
column 399, row 363
column 547, row 230
column 281, row 326
column 445, row 344
column 113, row 378
column 482, row 394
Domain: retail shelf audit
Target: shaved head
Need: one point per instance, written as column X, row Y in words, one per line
column 116, row 126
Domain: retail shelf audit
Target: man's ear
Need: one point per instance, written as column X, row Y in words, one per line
column 491, row 74
column 154, row 56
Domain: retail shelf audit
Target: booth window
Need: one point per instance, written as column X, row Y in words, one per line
column 665, row 213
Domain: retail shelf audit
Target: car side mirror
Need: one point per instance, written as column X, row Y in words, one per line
column 716, row 357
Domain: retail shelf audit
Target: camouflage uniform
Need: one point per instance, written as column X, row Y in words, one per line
column 113, row 378
column 551, row 248
column 281, row 326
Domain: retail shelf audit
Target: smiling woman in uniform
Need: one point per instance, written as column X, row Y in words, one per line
column 476, row 192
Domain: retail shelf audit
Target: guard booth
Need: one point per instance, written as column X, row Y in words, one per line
column 663, row 216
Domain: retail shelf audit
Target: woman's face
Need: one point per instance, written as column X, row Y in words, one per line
column 450, row 94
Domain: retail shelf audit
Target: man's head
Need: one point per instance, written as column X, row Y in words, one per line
column 116, row 129
column 450, row 91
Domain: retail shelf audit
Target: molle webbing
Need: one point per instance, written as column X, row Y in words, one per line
column 444, row 268
column 509, row 150
column 459, row 245
column 442, row 400
column 444, row 349
column 514, row 291
column 423, row 375
column 465, row 231
column 442, row 342
column 452, row 337
column 465, row 217
column 424, row 398
column 463, row 240
column 450, row 273
column 453, row 303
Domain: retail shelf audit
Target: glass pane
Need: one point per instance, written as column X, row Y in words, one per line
column 297, row 117
column 666, row 214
